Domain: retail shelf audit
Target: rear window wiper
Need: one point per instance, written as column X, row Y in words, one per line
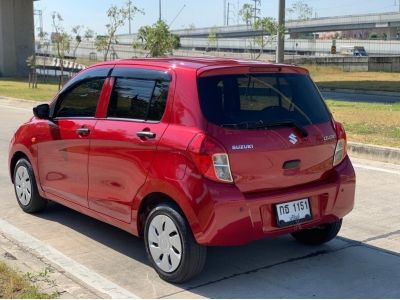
column 260, row 124
column 285, row 123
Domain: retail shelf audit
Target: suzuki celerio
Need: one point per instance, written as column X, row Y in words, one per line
column 189, row 153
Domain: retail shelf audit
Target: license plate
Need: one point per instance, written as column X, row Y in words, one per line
column 293, row 212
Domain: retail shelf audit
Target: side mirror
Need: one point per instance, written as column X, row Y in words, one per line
column 42, row 111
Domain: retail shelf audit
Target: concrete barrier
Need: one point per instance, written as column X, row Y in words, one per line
column 386, row 64
column 384, row 154
column 352, row 63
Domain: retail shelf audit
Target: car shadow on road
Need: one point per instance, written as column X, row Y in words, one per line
column 270, row 268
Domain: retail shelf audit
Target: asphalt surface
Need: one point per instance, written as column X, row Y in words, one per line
column 361, row 97
column 364, row 262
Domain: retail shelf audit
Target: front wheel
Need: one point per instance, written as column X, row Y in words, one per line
column 318, row 235
column 25, row 187
column 170, row 245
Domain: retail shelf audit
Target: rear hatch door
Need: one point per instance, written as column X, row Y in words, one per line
column 275, row 127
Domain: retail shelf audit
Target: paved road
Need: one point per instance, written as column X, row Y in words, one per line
column 346, row 96
column 364, row 262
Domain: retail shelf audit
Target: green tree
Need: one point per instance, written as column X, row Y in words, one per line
column 31, row 63
column 89, row 34
column 61, row 39
column 300, row 11
column 117, row 17
column 246, row 13
column 269, row 28
column 157, row 39
column 76, row 33
column 212, row 39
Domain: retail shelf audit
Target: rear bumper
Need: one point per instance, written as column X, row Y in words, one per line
column 238, row 219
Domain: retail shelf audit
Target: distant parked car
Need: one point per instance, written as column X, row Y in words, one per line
column 353, row 51
column 189, row 153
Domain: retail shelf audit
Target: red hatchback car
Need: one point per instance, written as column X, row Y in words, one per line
column 189, row 153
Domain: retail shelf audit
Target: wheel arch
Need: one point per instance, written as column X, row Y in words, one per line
column 14, row 159
column 149, row 202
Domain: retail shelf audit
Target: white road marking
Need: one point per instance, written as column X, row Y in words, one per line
column 17, row 108
column 376, row 169
column 81, row 272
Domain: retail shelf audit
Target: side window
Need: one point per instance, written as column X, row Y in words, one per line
column 158, row 101
column 81, row 100
column 138, row 99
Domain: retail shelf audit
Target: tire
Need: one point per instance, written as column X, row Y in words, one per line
column 25, row 188
column 170, row 245
column 318, row 235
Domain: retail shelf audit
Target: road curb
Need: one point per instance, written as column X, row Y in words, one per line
column 378, row 153
column 352, row 91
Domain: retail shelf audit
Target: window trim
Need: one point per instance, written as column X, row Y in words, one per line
column 90, row 73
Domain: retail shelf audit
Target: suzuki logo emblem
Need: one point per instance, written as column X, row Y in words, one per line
column 293, row 139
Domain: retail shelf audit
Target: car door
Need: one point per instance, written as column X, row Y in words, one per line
column 124, row 142
column 64, row 148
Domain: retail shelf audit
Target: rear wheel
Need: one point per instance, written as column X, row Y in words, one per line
column 318, row 235
column 25, row 188
column 170, row 245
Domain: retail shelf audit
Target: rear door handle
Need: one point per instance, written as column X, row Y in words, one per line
column 146, row 134
column 83, row 131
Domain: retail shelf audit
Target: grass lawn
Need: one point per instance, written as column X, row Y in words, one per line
column 331, row 77
column 18, row 88
column 15, row 286
column 369, row 123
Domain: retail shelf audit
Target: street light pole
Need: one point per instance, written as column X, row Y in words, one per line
column 130, row 17
column 159, row 10
column 280, row 51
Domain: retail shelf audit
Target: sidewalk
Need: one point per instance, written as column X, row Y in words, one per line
column 42, row 273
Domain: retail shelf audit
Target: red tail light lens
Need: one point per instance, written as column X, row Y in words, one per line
column 341, row 145
column 210, row 158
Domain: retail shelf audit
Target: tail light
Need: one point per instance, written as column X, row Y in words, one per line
column 210, row 158
column 341, row 145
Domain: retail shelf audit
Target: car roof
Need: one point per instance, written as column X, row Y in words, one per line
column 196, row 63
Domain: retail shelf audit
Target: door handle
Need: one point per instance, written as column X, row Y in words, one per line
column 146, row 134
column 83, row 131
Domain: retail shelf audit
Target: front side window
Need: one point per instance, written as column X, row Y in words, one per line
column 81, row 100
column 138, row 99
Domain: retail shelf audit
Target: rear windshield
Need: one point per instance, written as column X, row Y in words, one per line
column 268, row 98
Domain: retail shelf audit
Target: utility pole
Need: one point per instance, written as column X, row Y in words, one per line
column 39, row 13
column 224, row 23
column 227, row 18
column 256, row 10
column 130, row 17
column 159, row 10
column 280, row 51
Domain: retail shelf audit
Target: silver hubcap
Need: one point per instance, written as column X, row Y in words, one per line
column 165, row 243
column 23, row 185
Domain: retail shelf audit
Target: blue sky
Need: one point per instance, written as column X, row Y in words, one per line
column 201, row 13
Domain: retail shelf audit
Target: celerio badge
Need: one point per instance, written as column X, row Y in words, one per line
column 293, row 139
